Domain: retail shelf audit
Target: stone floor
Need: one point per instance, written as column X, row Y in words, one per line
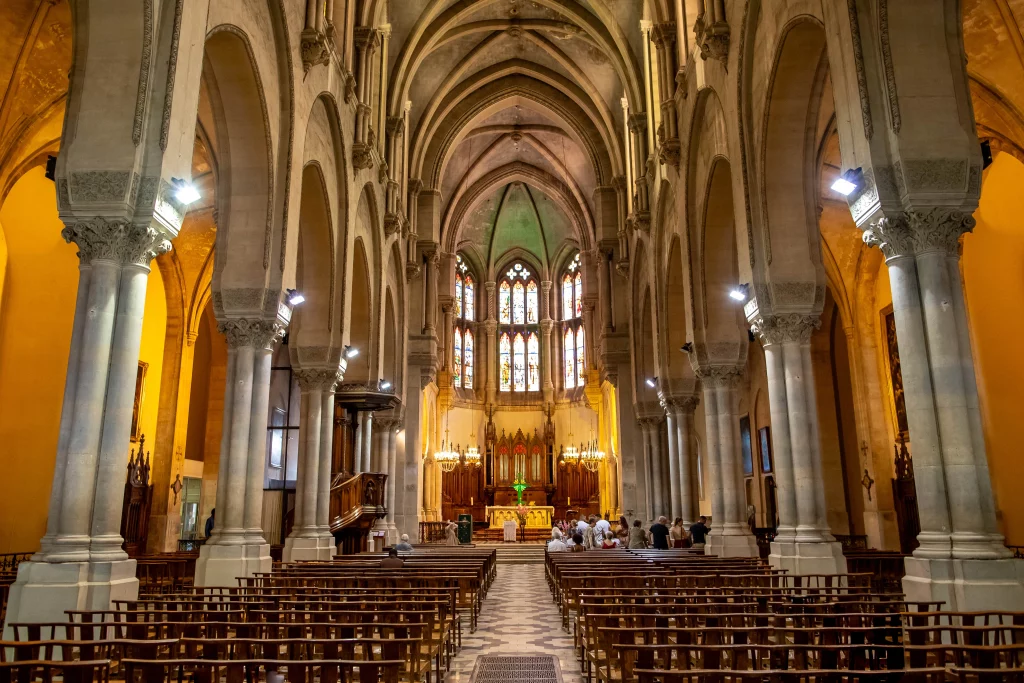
column 517, row 618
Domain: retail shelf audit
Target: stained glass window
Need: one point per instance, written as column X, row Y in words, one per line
column 579, row 357
column 505, row 303
column 467, row 369
column 533, row 363
column 457, row 356
column 578, row 302
column 567, row 298
column 505, row 362
column 518, row 304
column 519, row 365
column 531, row 303
column 458, row 296
column 569, row 356
column 469, row 298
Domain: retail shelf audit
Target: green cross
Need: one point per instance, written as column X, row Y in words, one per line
column 519, row 485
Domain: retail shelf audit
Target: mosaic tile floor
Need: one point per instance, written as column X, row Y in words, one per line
column 517, row 618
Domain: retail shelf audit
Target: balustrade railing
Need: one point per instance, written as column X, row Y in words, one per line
column 433, row 532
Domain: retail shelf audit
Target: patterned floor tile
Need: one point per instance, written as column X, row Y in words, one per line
column 517, row 618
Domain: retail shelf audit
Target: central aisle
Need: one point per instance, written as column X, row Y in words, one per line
column 517, row 618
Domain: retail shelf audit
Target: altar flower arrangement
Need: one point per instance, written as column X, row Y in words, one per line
column 521, row 512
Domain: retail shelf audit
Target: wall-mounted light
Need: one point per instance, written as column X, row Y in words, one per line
column 848, row 182
column 687, row 347
column 351, row 352
column 385, row 385
column 295, row 298
column 652, row 382
column 184, row 191
column 739, row 293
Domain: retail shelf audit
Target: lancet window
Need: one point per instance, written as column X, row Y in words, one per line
column 463, row 342
column 573, row 336
column 518, row 318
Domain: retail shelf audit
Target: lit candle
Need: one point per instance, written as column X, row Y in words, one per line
column 568, row 502
column 471, row 500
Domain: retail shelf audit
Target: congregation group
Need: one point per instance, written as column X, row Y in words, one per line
column 597, row 534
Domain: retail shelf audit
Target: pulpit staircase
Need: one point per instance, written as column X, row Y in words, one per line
column 357, row 501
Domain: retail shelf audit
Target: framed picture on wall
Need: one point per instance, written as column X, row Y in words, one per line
column 765, row 442
column 140, row 385
column 748, row 456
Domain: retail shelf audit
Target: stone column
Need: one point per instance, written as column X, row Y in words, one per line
column 237, row 547
column 687, row 470
column 429, row 514
column 546, row 358
column 368, row 462
column 804, row 544
column 81, row 564
column 392, row 483
column 656, row 473
column 961, row 559
column 675, row 508
column 645, row 462
column 433, row 261
column 730, row 536
column 310, row 538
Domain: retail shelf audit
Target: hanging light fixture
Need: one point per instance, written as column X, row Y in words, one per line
column 447, row 458
column 592, row 456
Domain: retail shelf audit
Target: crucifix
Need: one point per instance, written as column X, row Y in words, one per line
column 519, row 485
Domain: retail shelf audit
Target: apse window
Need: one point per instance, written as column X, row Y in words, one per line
column 518, row 318
column 573, row 342
column 465, row 313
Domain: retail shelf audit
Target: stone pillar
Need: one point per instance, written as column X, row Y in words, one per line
column 961, row 559
column 546, row 358
column 804, row 544
column 656, row 472
column 430, row 315
column 367, row 448
column 675, row 508
column 81, row 564
column 687, row 467
column 310, row 538
column 730, row 536
column 645, row 462
column 237, row 547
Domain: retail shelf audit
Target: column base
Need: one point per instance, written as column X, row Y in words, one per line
column 966, row 585
column 44, row 590
column 220, row 565
column 737, row 542
column 824, row 557
column 308, row 548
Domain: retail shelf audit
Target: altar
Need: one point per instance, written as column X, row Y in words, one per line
column 537, row 516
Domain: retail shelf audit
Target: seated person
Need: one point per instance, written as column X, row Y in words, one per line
column 609, row 542
column 405, row 545
column 577, row 543
column 392, row 561
column 556, row 544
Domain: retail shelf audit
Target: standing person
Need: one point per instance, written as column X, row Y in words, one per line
column 622, row 533
column 637, row 537
column 451, row 533
column 604, row 526
column 210, row 522
column 589, row 541
column 659, row 534
column 677, row 534
column 699, row 531
column 556, row 544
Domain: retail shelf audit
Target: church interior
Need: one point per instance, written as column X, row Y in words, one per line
column 285, row 284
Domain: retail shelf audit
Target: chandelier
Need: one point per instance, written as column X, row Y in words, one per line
column 447, row 458
column 571, row 455
column 472, row 456
column 592, row 456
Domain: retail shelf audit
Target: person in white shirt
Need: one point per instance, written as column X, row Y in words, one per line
column 604, row 526
column 556, row 544
column 581, row 526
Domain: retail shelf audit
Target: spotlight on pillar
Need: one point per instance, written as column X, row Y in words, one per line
column 687, row 347
column 295, row 298
column 652, row 382
column 848, row 183
column 986, row 155
column 351, row 352
column 185, row 192
column 385, row 385
column 738, row 293
column 51, row 166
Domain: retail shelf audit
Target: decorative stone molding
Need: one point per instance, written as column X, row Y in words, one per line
column 100, row 186
column 362, row 153
column 712, row 39
column 637, row 122
column 895, row 119
column 669, row 150
column 247, row 332
column 142, row 93
column 862, row 80
column 116, row 240
column 316, row 49
column 392, row 223
column 318, row 379
column 911, row 233
column 172, row 65
column 718, row 375
column 779, row 329
column 350, row 86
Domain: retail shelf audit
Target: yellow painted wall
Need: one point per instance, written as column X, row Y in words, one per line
column 36, row 315
column 993, row 272
column 35, row 334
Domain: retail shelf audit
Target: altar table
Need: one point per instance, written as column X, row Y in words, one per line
column 537, row 517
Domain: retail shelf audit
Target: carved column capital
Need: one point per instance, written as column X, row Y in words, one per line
column 638, row 122
column 247, row 332
column 116, row 240
column 718, row 375
column 679, row 404
column 909, row 233
column 318, row 379
column 778, row 329
column 664, row 34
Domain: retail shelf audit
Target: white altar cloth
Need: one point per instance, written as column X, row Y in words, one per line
column 510, row 529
